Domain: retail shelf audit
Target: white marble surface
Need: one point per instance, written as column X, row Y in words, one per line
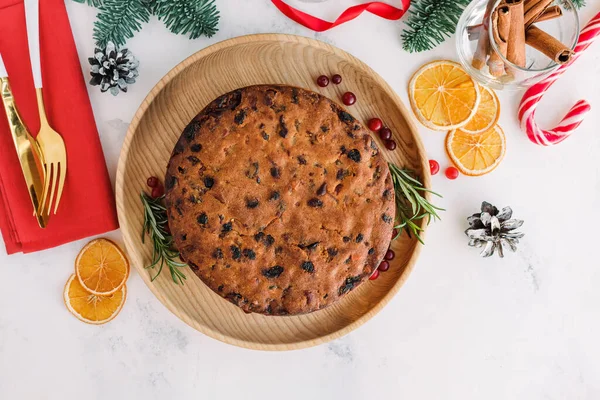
column 525, row 327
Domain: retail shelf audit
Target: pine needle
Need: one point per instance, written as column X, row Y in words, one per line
column 155, row 223
column 188, row 17
column 411, row 205
column 578, row 3
column 430, row 23
column 119, row 20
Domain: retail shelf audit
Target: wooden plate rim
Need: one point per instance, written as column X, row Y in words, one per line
column 119, row 188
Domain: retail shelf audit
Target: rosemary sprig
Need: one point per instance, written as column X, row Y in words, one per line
column 411, row 205
column 155, row 226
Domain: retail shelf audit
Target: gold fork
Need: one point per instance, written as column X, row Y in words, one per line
column 50, row 142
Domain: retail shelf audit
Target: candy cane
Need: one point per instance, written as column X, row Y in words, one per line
column 534, row 94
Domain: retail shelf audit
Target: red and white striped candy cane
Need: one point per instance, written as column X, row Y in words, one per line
column 534, row 94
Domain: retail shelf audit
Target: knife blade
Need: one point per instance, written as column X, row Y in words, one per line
column 30, row 158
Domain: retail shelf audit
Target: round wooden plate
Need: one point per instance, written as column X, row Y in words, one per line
column 171, row 105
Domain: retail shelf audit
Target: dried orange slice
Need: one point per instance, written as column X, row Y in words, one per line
column 89, row 307
column 443, row 96
column 487, row 113
column 101, row 267
column 476, row 155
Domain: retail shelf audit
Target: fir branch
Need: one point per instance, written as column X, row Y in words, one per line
column 578, row 3
column 193, row 17
column 411, row 205
column 430, row 23
column 155, row 226
column 119, row 20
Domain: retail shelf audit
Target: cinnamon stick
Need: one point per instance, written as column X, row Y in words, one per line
column 549, row 13
column 516, row 36
column 500, row 31
column 535, row 11
column 528, row 4
column 549, row 45
column 483, row 44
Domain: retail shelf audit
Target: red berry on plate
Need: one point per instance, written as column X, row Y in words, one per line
column 389, row 255
column 375, row 124
column 395, row 233
column 348, row 98
column 385, row 133
column 322, row 81
column 384, row 266
column 375, row 275
column 434, row 167
column 157, row 191
column 337, row 79
column 152, row 182
column 390, row 145
column 451, row 173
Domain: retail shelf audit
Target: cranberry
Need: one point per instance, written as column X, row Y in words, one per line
column 375, row 275
column 451, row 173
column 337, row 79
column 349, row 98
column 389, row 255
column 375, row 124
column 157, row 191
column 390, row 145
column 395, row 233
column 167, row 229
column 385, row 133
column 322, row 81
column 434, row 167
column 152, row 182
column 383, row 266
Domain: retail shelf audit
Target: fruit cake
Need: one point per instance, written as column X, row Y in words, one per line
column 279, row 200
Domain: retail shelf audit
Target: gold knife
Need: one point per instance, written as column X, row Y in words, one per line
column 30, row 157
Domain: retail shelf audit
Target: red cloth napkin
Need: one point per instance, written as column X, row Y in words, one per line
column 87, row 207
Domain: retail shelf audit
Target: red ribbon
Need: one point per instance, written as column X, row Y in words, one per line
column 317, row 24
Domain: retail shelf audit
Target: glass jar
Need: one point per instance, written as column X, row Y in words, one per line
column 537, row 65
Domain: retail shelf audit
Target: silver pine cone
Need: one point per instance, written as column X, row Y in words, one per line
column 113, row 69
column 493, row 230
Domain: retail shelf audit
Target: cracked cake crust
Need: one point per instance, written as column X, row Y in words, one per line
column 279, row 200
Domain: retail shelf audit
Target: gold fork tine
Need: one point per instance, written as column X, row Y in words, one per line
column 42, row 206
column 61, row 182
column 53, row 186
